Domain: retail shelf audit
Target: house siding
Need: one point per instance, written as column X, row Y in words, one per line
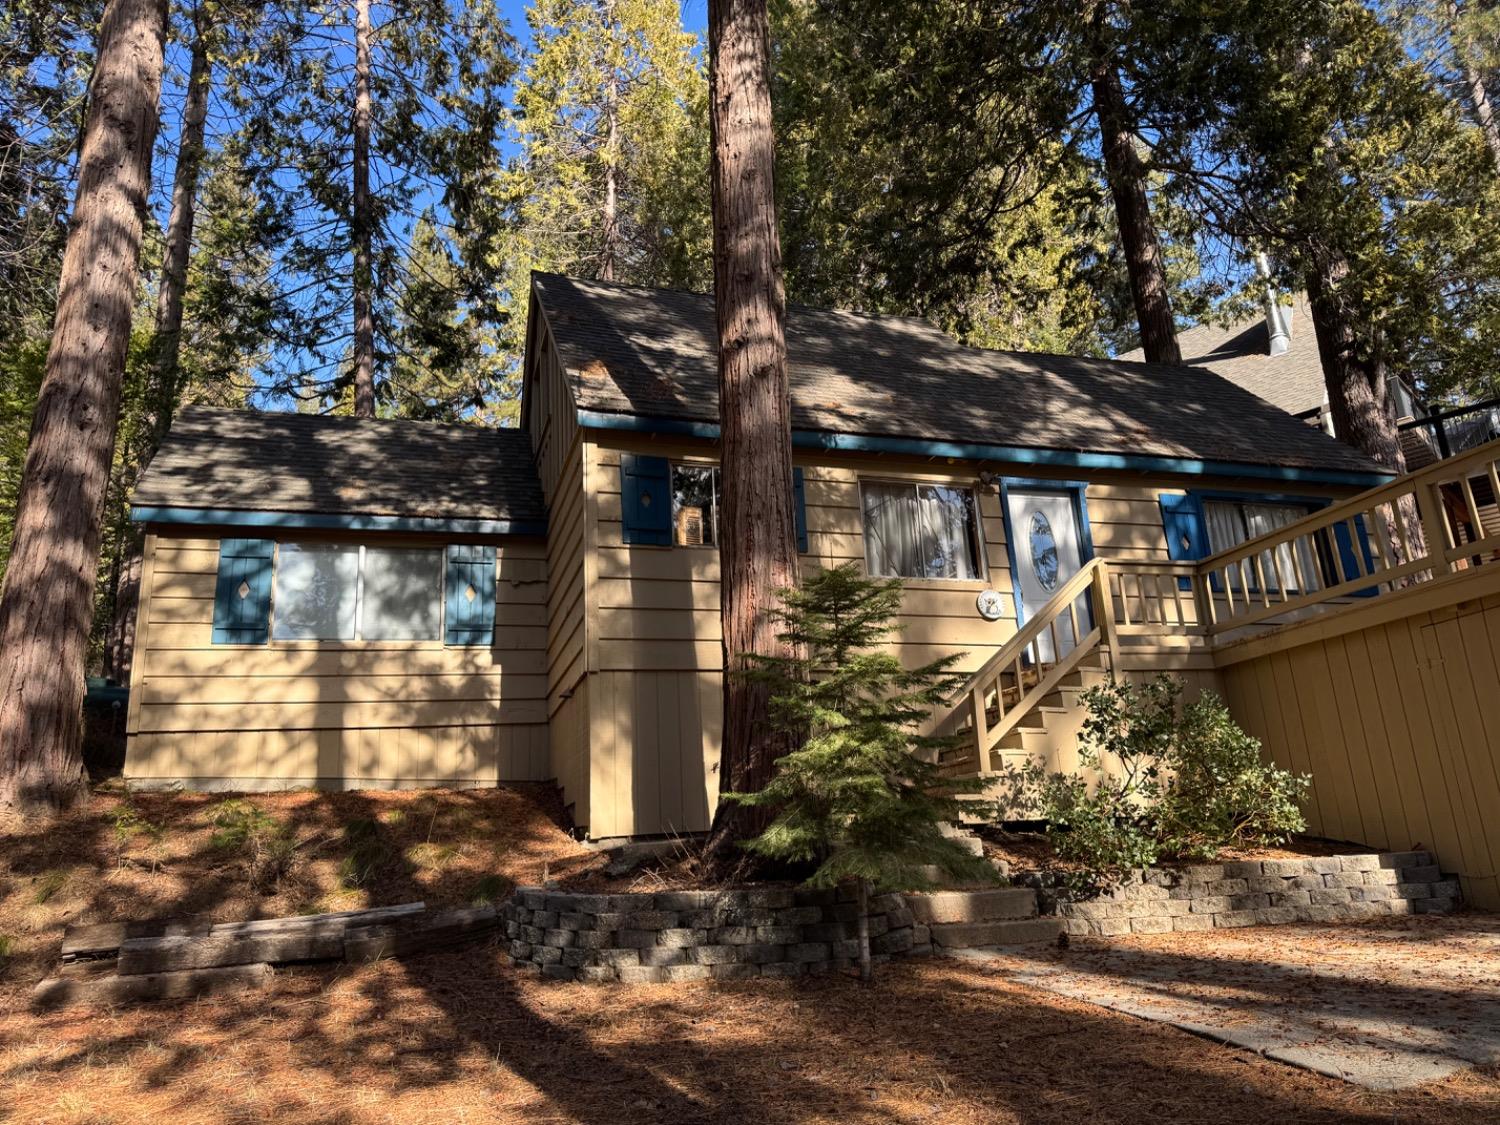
column 654, row 639
column 333, row 714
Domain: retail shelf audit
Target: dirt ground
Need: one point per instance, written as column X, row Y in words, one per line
column 461, row 1037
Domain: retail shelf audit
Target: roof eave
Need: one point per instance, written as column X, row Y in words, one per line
column 330, row 521
column 1013, row 454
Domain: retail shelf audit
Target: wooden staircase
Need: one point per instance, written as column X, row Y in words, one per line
column 1025, row 701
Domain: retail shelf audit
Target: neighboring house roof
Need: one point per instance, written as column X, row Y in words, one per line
column 1241, row 353
column 642, row 353
column 395, row 472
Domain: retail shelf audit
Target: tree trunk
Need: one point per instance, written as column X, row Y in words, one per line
column 866, row 970
column 1479, row 97
column 1356, row 384
column 1127, row 185
column 758, row 551
column 166, row 389
column 47, row 603
column 610, row 249
column 362, row 222
column 179, row 246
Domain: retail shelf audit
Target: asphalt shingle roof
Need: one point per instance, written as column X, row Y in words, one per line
column 1241, row 353
column 651, row 352
column 247, row 460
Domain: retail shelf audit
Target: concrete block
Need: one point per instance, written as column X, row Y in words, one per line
column 1359, row 862
column 714, row 954
column 1249, row 902
column 598, row 974
column 783, row 969
column 763, row 953
column 814, row 896
column 642, row 974
column 546, row 955
column 1284, row 867
column 544, row 919
column 1382, row 877
column 1291, row 898
column 664, row 955
column 592, row 939
column 826, row 931
column 895, row 941
column 1277, row 916
column 688, row 972
column 1204, row 873
column 735, row 970
column 1244, row 869
column 1324, row 865
column 778, row 935
column 1446, row 888
column 770, row 898
column 650, row 920
column 1192, row 922
column 575, row 921
column 1400, row 860
column 636, row 939
column 1228, row 887
column 681, row 938
column 1151, row 925
column 808, row 951
column 1233, row 919
column 577, row 958
column 1209, row 904
column 619, row 957
column 1331, row 896
column 798, row 916
column 1078, row 927
column 677, row 901
column 1345, row 879
column 560, row 938
column 1177, row 907
column 1305, row 883
column 560, row 972
column 1427, row 874
column 1270, row 884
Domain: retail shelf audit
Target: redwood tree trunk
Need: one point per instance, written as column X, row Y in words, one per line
column 1127, row 186
column 46, row 606
column 758, row 552
column 362, row 222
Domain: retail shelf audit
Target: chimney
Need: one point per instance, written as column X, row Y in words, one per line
column 1278, row 316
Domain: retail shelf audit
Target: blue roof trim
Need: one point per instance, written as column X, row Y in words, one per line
column 1013, row 454
column 228, row 517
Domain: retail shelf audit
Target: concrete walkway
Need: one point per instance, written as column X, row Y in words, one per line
column 1385, row 1005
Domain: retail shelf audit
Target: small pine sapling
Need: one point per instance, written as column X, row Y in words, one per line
column 862, row 796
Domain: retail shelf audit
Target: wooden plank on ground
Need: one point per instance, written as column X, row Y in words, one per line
column 59, row 992
column 209, row 951
column 444, row 929
column 370, row 917
column 102, row 939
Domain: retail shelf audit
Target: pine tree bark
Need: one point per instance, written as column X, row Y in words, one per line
column 1479, row 95
column 47, row 603
column 758, row 552
column 166, row 389
column 609, row 253
column 1144, row 262
column 362, row 222
column 1356, row 384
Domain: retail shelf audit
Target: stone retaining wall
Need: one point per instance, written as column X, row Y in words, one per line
column 695, row 935
column 1266, row 892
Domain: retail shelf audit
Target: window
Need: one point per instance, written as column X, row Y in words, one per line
column 695, row 505
column 334, row 592
column 921, row 531
column 1232, row 522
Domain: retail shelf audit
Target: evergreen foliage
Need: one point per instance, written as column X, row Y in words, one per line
column 862, row 797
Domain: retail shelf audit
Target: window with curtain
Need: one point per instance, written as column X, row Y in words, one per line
column 1232, row 522
column 338, row 592
column 695, row 505
column 921, row 531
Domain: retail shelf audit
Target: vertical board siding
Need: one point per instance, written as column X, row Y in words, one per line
column 328, row 713
column 1396, row 722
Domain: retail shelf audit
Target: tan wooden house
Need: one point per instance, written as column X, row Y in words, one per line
column 342, row 603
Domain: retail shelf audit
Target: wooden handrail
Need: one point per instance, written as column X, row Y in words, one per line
column 1353, row 547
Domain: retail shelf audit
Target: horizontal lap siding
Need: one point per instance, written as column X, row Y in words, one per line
column 1397, row 725
column 378, row 713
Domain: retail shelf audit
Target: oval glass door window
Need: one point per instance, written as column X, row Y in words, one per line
column 1043, row 551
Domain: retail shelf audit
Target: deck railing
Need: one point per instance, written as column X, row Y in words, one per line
column 1419, row 527
column 1422, row 526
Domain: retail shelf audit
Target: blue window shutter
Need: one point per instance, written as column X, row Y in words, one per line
column 242, row 593
column 1187, row 531
column 646, row 500
column 799, row 507
column 470, row 620
column 1355, row 565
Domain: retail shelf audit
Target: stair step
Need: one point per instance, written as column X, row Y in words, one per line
column 980, row 935
column 949, row 907
column 963, row 838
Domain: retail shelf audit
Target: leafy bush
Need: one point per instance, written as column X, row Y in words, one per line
column 1221, row 793
column 1156, row 781
column 267, row 847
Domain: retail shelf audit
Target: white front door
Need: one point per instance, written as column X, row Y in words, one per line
column 1048, row 551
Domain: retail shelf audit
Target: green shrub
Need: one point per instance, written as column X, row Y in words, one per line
column 267, row 847
column 1221, row 793
column 7, row 948
column 1156, row 781
column 48, row 886
column 127, row 824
